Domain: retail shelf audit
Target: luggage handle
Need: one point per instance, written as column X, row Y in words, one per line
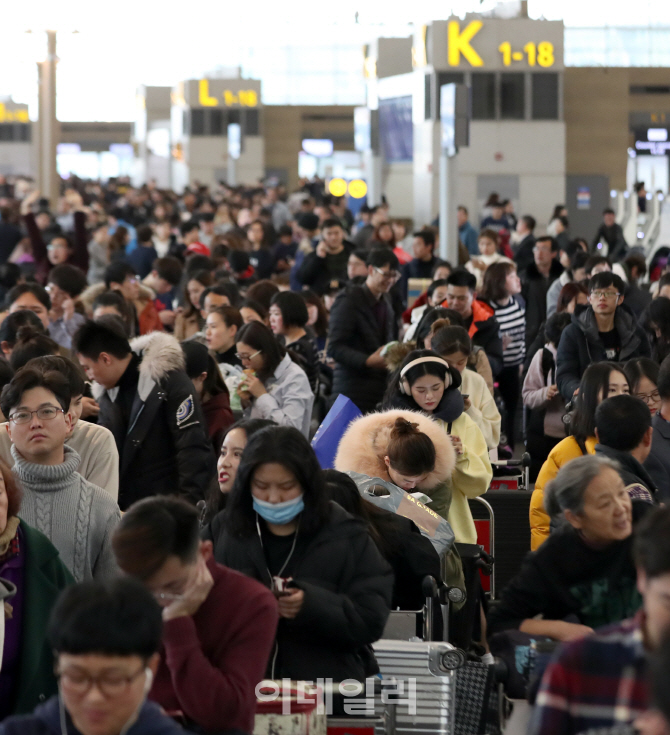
column 445, row 596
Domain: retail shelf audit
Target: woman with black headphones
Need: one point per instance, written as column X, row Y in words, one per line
column 425, row 382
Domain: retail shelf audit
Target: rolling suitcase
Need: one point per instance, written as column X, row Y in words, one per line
column 419, row 676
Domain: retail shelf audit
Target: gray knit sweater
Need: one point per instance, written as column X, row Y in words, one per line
column 75, row 515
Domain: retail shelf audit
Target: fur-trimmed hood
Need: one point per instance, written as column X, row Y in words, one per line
column 161, row 353
column 364, row 444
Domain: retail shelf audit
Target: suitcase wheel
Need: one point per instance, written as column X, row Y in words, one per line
column 454, row 659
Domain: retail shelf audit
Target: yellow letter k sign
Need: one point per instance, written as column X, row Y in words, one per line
column 459, row 43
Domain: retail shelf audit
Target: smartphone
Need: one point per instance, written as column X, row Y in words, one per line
column 465, row 395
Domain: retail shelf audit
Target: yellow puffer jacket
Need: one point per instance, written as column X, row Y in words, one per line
column 561, row 454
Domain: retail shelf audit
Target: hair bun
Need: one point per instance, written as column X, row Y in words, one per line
column 439, row 324
column 26, row 332
column 403, row 427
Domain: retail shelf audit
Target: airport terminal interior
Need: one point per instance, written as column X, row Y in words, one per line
column 335, row 368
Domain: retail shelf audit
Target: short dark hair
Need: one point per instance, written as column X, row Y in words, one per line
column 169, row 269
column 428, row 237
column 488, row 234
column 593, row 260
column 116, row 301
column 263, row 291
column 65, row 366
column 637, row 261
column 117, row 272
column 152, row 530
column 332, row 222
column 651, row 543
column 663, row 384
column 31, row 343
column 463, row 209
column 106, row 334
column 529, row 221
column 230, row 290
column 622, row 421
column 28, row 378
column 555, row 325
column 117, row 617
column 39, row 292
column 292, row 307
column 259, row 337
column 461, row 277
column 188, row 226
column 379, row 257
column 238, row 261
column 608, row 210
column 606, row 279
column 551, row 240
column 69, row 278
column 230, row 315
column 579, row 259
column 198, row 262
column 287, row 446
column 17, row 319
column 144, row 234
column 360, row 253
column 436, row 284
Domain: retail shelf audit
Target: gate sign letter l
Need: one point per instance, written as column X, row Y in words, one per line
column 459, row 43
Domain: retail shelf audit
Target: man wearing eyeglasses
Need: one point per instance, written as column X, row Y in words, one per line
column 105, row 638
column 605, row 330
column 75, row 515
column 362, row 322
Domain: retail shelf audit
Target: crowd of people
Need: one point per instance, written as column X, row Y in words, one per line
column 167, row 360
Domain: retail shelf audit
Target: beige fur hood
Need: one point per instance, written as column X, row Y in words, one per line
column 363, row 446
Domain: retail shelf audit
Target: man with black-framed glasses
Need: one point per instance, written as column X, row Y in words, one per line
column 605, row 330
column 105, row 637
column 362, row 321
column 75, row 515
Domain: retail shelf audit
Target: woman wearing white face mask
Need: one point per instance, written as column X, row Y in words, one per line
column 333, row 587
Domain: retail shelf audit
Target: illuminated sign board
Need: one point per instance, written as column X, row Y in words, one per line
column 11, row 112
column 222, row 93
column 653, row 141
column 490, row 44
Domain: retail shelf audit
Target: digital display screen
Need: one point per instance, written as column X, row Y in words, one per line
column 396, row 129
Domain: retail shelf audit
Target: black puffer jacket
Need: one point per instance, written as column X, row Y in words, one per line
column 165, row 448
column 354, row 335
column 348, row 588
column 581, row 345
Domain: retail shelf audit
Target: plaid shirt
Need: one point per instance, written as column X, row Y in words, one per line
column 594, row 682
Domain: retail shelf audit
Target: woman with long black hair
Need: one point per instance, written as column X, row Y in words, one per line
column 332, row 585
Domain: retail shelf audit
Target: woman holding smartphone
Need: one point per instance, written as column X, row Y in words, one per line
column 333, row 586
